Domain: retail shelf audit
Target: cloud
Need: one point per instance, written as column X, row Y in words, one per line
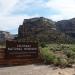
column 61, row 9
column 66, row 8
column 6, row 6
column 11, row 23
column 56, row 17
column 25, row 6
column 12, row 12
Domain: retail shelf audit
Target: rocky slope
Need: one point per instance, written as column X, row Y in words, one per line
column 46, row 30
column 67, row 26
column 42, row 29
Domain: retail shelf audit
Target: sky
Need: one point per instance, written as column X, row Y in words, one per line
column 13, row 12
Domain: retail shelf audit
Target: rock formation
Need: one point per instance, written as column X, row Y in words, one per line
column 67, row 26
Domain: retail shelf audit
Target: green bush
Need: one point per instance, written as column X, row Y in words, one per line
column 47, row 56
column 59, row 47
column 70, row 53
column 43, row 44
column 61, row 62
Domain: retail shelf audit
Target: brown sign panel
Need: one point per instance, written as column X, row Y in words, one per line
column 15, row 49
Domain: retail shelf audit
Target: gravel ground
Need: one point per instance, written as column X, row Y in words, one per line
column 36, row 70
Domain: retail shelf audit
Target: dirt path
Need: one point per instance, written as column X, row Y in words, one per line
column 36, row 70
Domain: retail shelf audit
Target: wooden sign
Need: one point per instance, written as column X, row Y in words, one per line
column 15, row 49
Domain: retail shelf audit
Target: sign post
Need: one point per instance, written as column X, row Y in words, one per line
column 25, row 50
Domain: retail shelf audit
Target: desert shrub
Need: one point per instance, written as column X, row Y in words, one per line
column 69, row 53
column 47, row 56
column 61, row 62
column 59, row 47
column 73, row 49
column 43, row 44
column 55, row 49
column 59, row 55
column 72, row 58
column 71, row 61
column 50, row 58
